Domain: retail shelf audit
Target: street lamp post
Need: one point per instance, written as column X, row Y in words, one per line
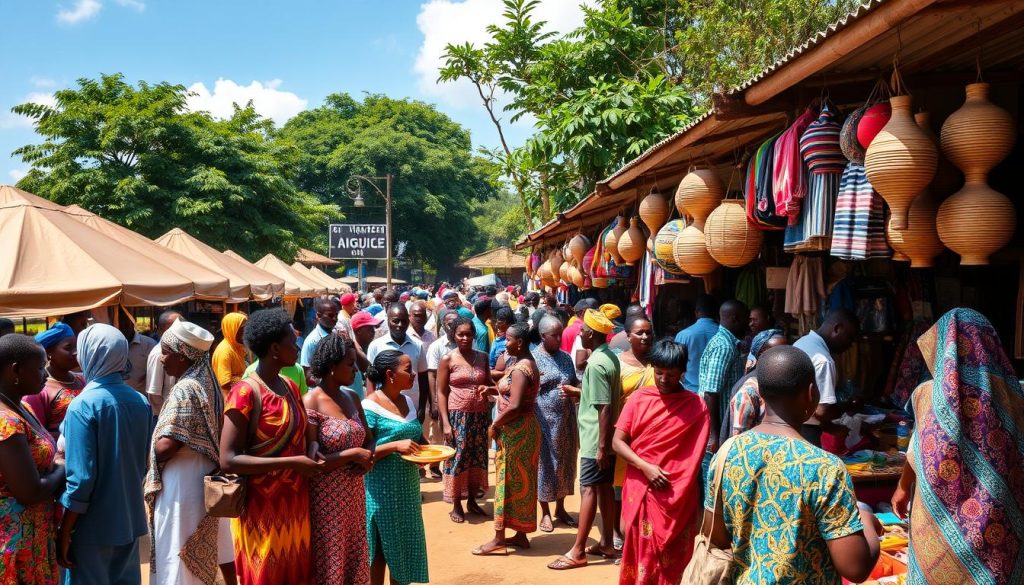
column 354, row 186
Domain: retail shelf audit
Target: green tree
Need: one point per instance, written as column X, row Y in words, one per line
column 499, row 222
column 137, row 156
column 437, row 178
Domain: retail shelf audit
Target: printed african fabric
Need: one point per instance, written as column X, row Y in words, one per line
column 469, row 416
column 559, row 435
column 272, row 536
column 966, row 521
column 51, row 404
column 670, row 431
column 783, row 499
column 633, row 379
column 338, row 514
column 516, row 459
column 394, row 515
column 28, row 554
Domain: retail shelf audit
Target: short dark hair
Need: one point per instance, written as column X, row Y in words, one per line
column 583, row 304
column 166, row 319
column 505, row 314
column 329, row 352
column 15, row 347
column 782, row 371
column 325, row 303
column 706, row 305
column 519, row 331
column 631, row 320
column 840, row 315
column 668, row 354
column 481, row 307
column 264, row 328
column 386, row 361
column 463, row 321
column 6, row 326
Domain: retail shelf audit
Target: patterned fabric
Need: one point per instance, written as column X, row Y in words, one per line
column 746, row 409
column 51, row 404
column 633, row 379
column 191, row 415
column 859, row 231
column 338, row 515
column 967, row 524
column 720, row 367
column 789, row 179
column 848, row 142
column 28, row 554
column 760, row 193
column 394, row 516
column 272, row 536
column 556, row 414
column 783, row 499
column 819, row 145
column 516, row 459
column 668, row 430
column 469, row 416
column 229, row 357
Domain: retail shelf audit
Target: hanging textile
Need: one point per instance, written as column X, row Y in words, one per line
column 789, row 179
column 759, row 190
column 823, row 156
column 751, row 288
column 859, row 231
column 805, row 290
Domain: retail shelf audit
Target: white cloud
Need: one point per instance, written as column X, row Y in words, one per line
column 82, row 10
column 136, row 4
column 39, row 81
column 268, row 100
column 17, row 174
column 452, row 21
column 9, row 119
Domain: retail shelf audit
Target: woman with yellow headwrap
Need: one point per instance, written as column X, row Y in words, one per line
column 229, row 359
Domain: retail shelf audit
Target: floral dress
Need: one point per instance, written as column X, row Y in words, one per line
column 515, row 461
column 559, row 437
column 338, row 513
column 28, row 554
column 51, row 404
column 469, row 416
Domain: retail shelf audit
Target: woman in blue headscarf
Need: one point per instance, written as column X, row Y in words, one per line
column 62, row 384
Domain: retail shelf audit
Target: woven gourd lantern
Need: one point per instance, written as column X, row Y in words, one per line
column 563, row 272
column 698, row 194
column 631, row 243
column 611, row 239
column 691, row 254
column 976, row 220
column 947, row 177
column 578, row 246
column 654, row 210
column 663, row 246
column 900, row 161
column 919, row 242
column 729, row 237
column 555, row 260
column 574, row 276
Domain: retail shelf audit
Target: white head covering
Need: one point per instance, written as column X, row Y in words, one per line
column 191, row 334
column 102, row 350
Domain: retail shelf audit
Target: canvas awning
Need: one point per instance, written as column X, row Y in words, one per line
column 244, row 278
column 349, row 280
column 295, row 283
column 55, row 264
column 332, row 285
column 310, row 258
column 343, row 286
column 503, row 258
column 209, row 285
column 382, row 280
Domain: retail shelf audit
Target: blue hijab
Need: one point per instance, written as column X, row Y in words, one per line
column 102, row 350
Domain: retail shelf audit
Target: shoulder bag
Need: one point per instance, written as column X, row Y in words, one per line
column 711, row 565
column 224, row 493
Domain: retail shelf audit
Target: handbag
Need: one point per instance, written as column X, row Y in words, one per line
column 709, row 564
column 224, row 493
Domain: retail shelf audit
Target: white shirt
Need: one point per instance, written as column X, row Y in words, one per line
column 577, row 346
column 411, row 347
column 158, row 383
column 138, row 357
column 824, row 367
column 437, row 350
column 344, row 325
column 428, row 337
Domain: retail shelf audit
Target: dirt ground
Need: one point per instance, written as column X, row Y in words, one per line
column 449, row 546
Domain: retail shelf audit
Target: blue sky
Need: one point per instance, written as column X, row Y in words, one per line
column 286, row 55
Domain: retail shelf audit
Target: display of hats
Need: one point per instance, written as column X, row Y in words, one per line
column 848, row 142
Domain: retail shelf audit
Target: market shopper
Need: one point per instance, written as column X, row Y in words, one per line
column 481, row 316
column 398, row 339
column 107, row 430
column 62, row 383
column 746, row 407
column 187, row 545
column 837, row 333
column 139, row 348
column 158, row 383
column 695, row 338
column 722, row 364
column 30, row 475
column 441, row 347
column 326, row 319
column 963, row 469
column 275, row 522
column 598, row 408
column 230, row 357
column 815, row 532
column 572, row 330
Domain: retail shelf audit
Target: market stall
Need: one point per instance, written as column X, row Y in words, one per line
column 333, row 286
column 296, row 283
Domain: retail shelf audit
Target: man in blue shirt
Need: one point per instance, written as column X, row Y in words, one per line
column 481, row 338
column 107, row 433
column 696, row 338
column 722, row 364
column 326, row 319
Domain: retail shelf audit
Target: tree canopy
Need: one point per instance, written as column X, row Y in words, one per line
column 137, row 156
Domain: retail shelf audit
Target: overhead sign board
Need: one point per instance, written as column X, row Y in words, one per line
column 359, row 241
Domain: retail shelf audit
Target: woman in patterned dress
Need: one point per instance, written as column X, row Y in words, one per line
column 556, row 414
column 394, row 515
column 62, row 384
column 29, row 477
column 465, row 413
column 337, row 434
column 272, row 536
column 518, row 437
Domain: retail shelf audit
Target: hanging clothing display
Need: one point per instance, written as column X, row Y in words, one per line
column 759, row 190
column 821, row 153
column 789, row 179
column 859, row 226
column 805, row 291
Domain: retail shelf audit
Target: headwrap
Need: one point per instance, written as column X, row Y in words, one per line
column 611, row 311
column 229, row 358
column 403, row 297
column 52, row 336
column 597, row 321
column 374, row 309
column 449, row 294
column 422, row 295
column 757, row 345
column 464, row 312
column 191, row 415
column 102, row 350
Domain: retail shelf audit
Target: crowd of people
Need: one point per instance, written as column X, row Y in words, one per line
column 712, row 436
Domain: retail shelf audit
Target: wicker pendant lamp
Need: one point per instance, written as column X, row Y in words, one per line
column 698, row 194
column 654, row 211
column 631, row 243
column 919, row 243
column 691, row 254
column 611, row 239
column 729, row 237
column 663, row 246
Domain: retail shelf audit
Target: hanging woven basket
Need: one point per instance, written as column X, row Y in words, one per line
column 919, row 243
column 654, row 211
column 611, row 240
column 691, row 253
column 699, row 193
column 631, row 243
column 729, row 237
column 663, row 246
column 578, row 246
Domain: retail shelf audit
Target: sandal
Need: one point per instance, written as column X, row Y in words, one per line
column 597, row 552
column 518, row 541
column 456, row 517
column 546, row 525
column 564, row 563
column 498, row 551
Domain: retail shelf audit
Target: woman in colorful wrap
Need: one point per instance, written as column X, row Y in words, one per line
column 518, row 437
column 965, row 465
column 465, row 411
column 29, row 475
column 661, row 434
column 187, row 545
column 229, row 358
column 394, row 514
column 635, row 370
column 62, row 384
column 337, row 434
column 272, row 536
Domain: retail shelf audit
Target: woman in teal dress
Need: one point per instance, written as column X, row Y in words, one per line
column 394, row 518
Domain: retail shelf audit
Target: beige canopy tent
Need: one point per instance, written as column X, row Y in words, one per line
column 349, row 280
column 382, row 280
column 244, row 278
column 55, row 264
column 333, row 286
column 310, row 258
column 208, row 284
column 299, row 283
column 344, row 286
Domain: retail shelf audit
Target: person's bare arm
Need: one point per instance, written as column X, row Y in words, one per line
column 581, row 357
column 164, row 448
column 19, row 471
column 517, row 389
column 711, row 400
column 904, row 491
column 443, row 389
column 605, row 426
column 233, row 458
column 855, row 555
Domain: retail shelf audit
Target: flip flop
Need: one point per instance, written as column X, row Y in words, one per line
column 546, row 525
column 564, row 563
column 494, row 552
column 597, row 552
column 456, row 518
